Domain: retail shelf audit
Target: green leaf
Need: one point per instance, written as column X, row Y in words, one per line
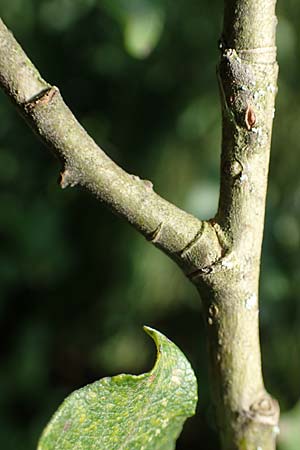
column 128, row 412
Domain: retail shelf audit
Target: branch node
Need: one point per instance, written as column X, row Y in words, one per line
column 135, row 177
column 154, row 235
column 193, row 242
column 147, row 183
column 42, row 98
column 265, row 410
column 263, row 55
column 235, row 168
column 213, row 264
column 200, row 272
column 220, row 236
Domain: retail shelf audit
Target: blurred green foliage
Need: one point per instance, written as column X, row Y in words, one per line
column 76, row 283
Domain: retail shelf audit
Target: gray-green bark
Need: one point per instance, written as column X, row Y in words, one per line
column 221, row 256
column 248, row 78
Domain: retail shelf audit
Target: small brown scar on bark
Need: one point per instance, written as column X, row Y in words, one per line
column 250, row 118
column 42, row 99
column 67, row 179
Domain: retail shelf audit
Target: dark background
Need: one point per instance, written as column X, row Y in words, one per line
column 77, row 283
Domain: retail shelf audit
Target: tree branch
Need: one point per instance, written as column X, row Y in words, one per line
column 247, row 415
column 174, row 231
column 221, row 256
column 248, row 84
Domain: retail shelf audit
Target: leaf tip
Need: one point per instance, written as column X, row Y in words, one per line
column 155, row 335
column 149, row 330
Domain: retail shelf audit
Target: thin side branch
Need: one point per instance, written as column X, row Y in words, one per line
column 174, row 231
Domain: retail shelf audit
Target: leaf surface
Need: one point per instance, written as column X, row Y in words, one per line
column 128, row 412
